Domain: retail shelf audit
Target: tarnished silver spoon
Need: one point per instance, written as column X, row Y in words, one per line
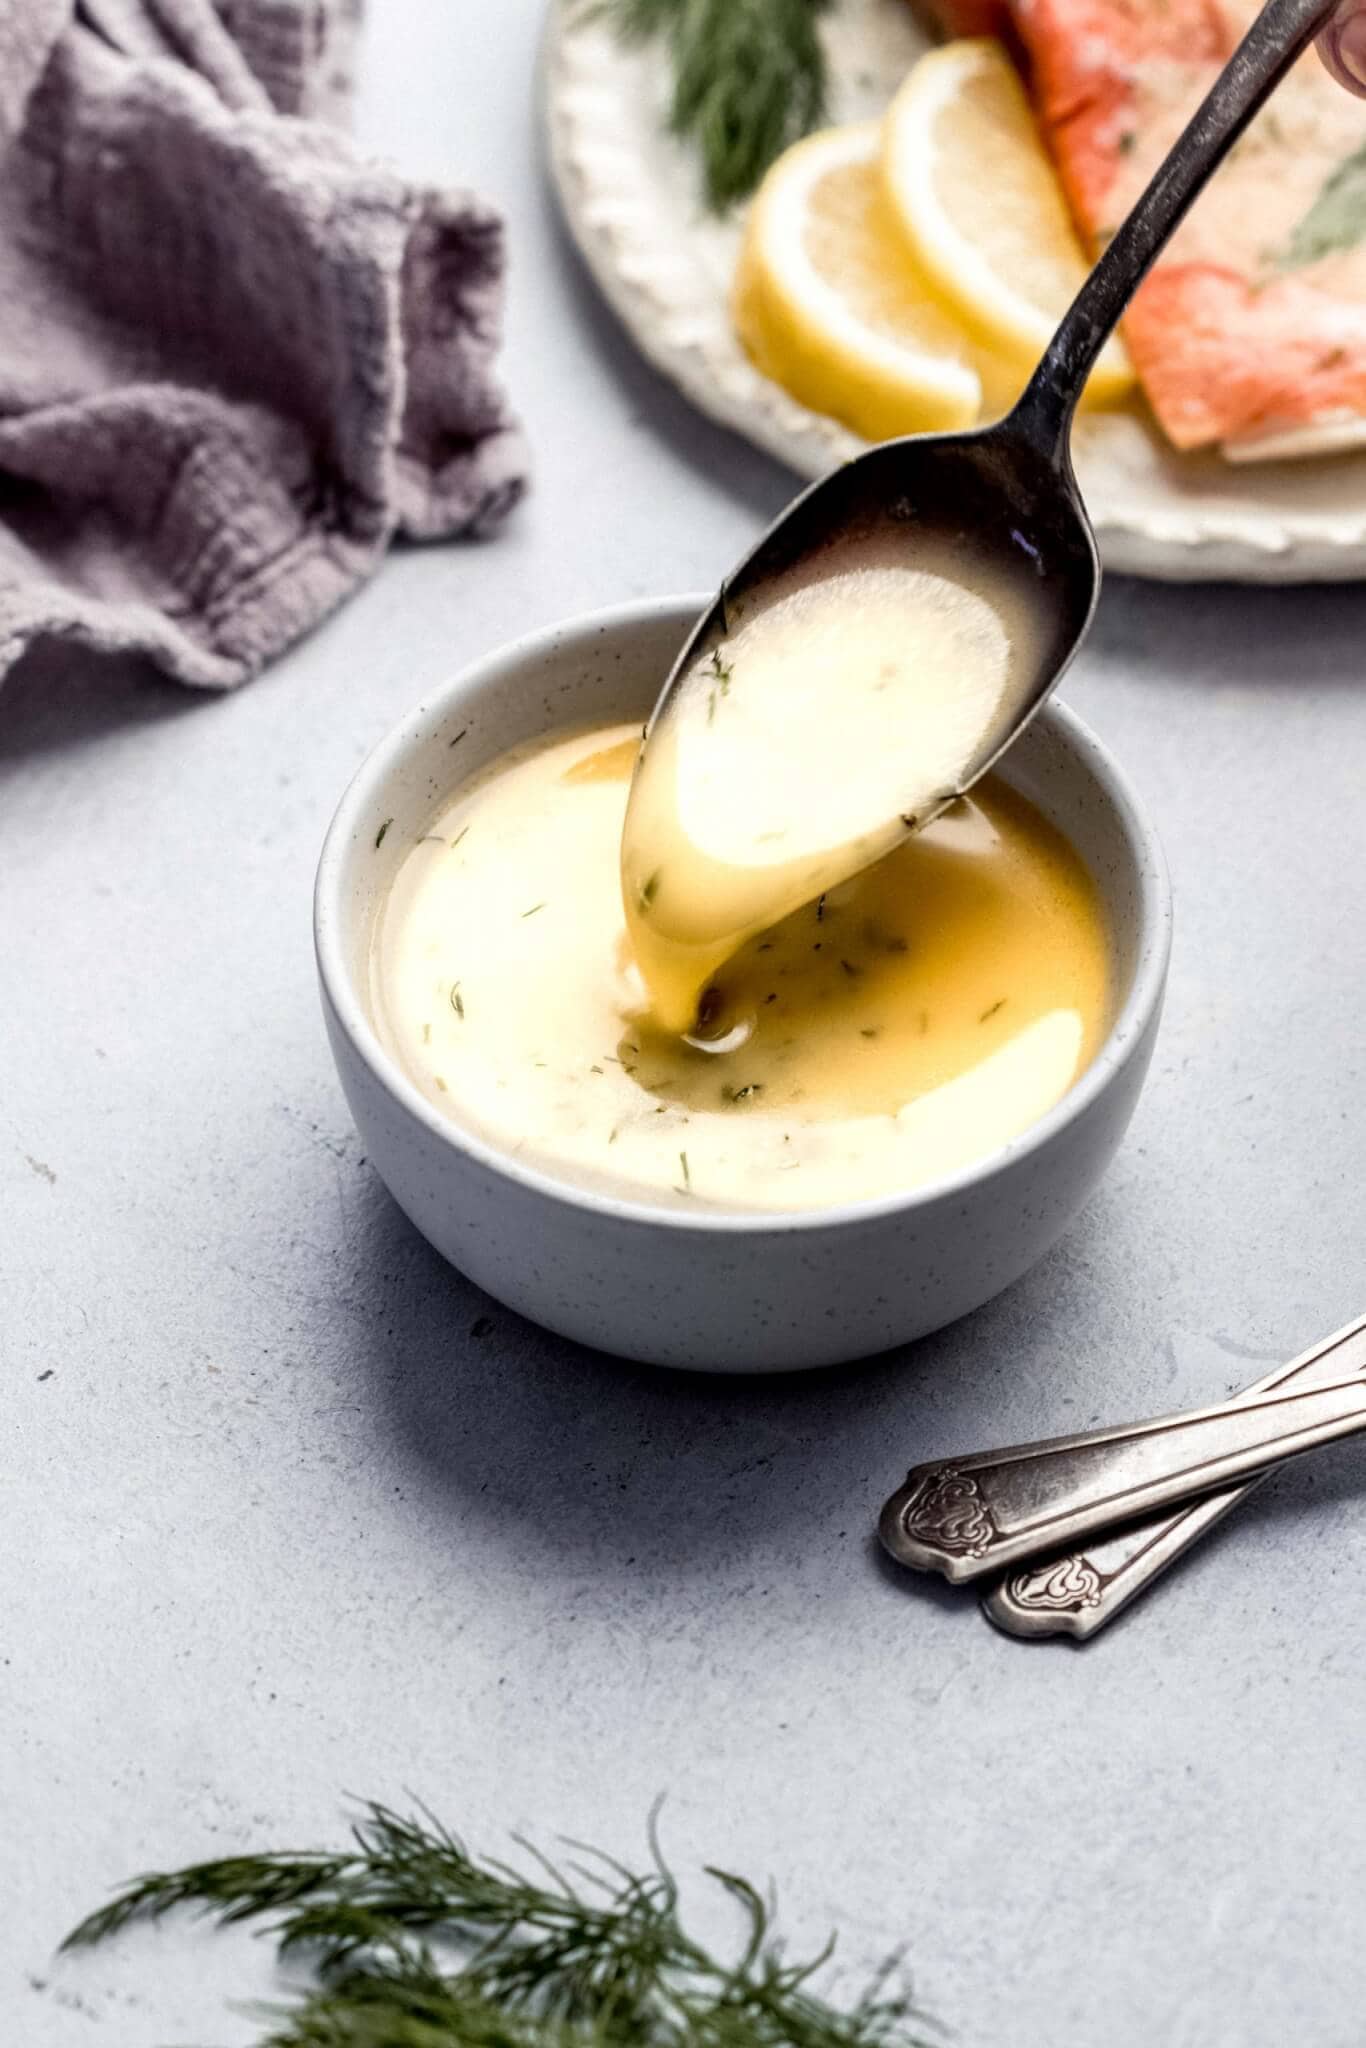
column 1007, row 491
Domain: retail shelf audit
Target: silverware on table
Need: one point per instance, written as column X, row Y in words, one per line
column 973, row 1517
column 1077, row 1593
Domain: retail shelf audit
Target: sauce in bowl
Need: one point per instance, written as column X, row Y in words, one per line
column 901, row 1023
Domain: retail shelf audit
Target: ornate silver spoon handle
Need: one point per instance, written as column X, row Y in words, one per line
column 971, row 1516
column 1078, row 1593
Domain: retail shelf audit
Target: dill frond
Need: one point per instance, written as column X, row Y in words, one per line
column 416, row 1943
column 749, row 77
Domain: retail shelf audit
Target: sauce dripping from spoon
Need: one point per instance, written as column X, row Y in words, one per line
column 839, row 712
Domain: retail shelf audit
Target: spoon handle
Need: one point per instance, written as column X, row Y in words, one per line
column 1280, row 34
column 1079, row 1593
column 969, row 1517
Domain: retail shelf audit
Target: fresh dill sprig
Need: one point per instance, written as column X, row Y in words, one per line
column 749, row 77
column 418, row 1944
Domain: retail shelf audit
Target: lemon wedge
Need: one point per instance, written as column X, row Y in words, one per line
column 829, row 304
column 977, row 200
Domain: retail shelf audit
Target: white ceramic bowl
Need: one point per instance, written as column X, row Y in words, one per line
column 711, row 1291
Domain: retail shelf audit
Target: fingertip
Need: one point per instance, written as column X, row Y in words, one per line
column 1342, row 46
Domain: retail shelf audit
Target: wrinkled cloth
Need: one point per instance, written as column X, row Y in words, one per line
column 236, row 360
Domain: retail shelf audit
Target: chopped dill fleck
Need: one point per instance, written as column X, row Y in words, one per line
column 851, row 970
column 379, row 836
column 440, row 1084
column 722, row 671
column 772, row 998
column 534, row 908
column 595, row 1068
column 649, row 889
column 431, row 839
column 457, row 1000
column 711, row 707
column 738, row 1094
column 820, row 908
column 458, row 837
column 426, row 1034
column 683, row 1162
column 998, row 1005
column 869, row 1031
column 767, row 946
column 908, row 820
column 614, row 1134
column 459, row 736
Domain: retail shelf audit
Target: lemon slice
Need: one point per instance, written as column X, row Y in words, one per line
column 828, row 302
column 979, row 204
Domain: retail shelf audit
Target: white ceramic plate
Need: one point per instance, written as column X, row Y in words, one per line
column 630, row 195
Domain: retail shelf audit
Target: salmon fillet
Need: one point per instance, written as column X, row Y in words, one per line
column 1251, row 330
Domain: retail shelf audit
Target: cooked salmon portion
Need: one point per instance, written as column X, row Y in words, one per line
column 1252, row 327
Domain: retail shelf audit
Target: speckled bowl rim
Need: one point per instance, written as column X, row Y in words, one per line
column 409, row 736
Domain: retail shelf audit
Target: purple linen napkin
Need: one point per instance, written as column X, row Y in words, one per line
column 235, row 359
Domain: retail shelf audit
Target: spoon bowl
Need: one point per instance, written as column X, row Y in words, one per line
column 1003, row 494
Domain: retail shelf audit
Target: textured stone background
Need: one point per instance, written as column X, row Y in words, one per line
column 289, row 1510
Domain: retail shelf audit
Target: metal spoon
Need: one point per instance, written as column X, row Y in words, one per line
column 1008, row 490
column 1078, row 1592
column 972, row 1517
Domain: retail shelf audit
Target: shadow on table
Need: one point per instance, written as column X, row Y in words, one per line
column 1289, row 637
column 64, row 697
column 596, row 1462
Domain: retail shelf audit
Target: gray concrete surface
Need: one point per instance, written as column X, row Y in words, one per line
column 290, row 1511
